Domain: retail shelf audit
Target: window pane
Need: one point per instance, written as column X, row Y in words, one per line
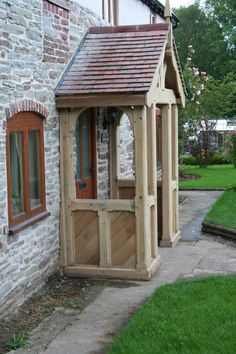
column 85, row 136
column 34, row 169
column 16, row 173
column 77, row 138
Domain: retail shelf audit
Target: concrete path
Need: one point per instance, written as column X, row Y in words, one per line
column 94, row 328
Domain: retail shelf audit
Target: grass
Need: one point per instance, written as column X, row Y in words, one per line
column 215, row 176
column 191, row 317
column 223, row 212
column 17, row 341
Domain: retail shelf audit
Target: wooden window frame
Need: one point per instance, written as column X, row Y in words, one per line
column 25, row 122
column 92, row 136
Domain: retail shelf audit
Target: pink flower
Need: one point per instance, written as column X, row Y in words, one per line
column 203, row 73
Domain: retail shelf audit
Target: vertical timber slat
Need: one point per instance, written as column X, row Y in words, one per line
column 104, row 239
column 66, row 188
column 167, row 176
column 175, row 166
column 140, row 143
column 152, row 171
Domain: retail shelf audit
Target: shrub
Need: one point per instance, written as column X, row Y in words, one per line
column 188, row 160
column 219, row 158
column 18, row 341
column 232, row 152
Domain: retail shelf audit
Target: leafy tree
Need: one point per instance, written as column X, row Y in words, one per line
column 207, row 100
column 224, row 12
column 201, row 30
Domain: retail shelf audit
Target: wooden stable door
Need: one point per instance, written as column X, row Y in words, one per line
column 85, row 156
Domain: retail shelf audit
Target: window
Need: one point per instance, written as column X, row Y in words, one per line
column 25, row 169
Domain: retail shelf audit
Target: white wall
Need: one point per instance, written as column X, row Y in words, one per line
column 131, row 12
column 93, row 5
column 135, row 12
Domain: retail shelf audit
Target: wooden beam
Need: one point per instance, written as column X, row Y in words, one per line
column 63, row 241
column 160, row 96
column 141, row 185
column 167, row 174
column 114, row 272
column 174, row 128
column 151, row 150
column 126, row 183
column 152, row 171
column 175, row 168
column 67, row 237
column 103, row 205
column 100, row 100
column 104, row 239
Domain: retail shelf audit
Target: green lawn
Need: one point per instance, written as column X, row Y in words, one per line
column 223, row 212
column 191, row 317
column 215, row 176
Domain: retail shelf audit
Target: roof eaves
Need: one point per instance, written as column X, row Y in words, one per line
column 159, row 8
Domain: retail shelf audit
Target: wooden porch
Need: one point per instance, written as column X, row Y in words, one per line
column 118, row 237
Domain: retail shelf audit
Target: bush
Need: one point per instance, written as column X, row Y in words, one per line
column 188, row 160
column 218, row 158
column 232, row 151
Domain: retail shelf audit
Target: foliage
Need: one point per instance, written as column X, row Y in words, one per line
column 185, row 317
column 206, row 41
column 218, row 158
column 207, row 100
column 188, row 160
column 194, row 119
column 205, row 34
column 214, row 177
column 223, row 212
column 232, row 151
column 224, row 12
column 18, row 341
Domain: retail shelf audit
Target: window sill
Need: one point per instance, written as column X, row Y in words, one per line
column 31, row 221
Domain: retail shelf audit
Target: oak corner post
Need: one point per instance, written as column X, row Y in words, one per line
column 67, row 190
column 170, row 235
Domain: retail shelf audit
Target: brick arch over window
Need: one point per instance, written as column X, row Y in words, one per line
column 26, row 106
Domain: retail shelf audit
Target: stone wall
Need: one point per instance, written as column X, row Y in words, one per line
column 102, row 156
column 126, row 148
column 30, row 67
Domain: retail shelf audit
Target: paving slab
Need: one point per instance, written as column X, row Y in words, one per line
column 94, row 328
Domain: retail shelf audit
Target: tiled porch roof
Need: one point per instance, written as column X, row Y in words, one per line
column 115, row 60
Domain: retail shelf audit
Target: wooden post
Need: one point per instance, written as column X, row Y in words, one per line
column 169, row 169
column 166, row 176
column 141, row 183
column 152, row 171
column 66, row 174
column 104, row 239
column 175, row 166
